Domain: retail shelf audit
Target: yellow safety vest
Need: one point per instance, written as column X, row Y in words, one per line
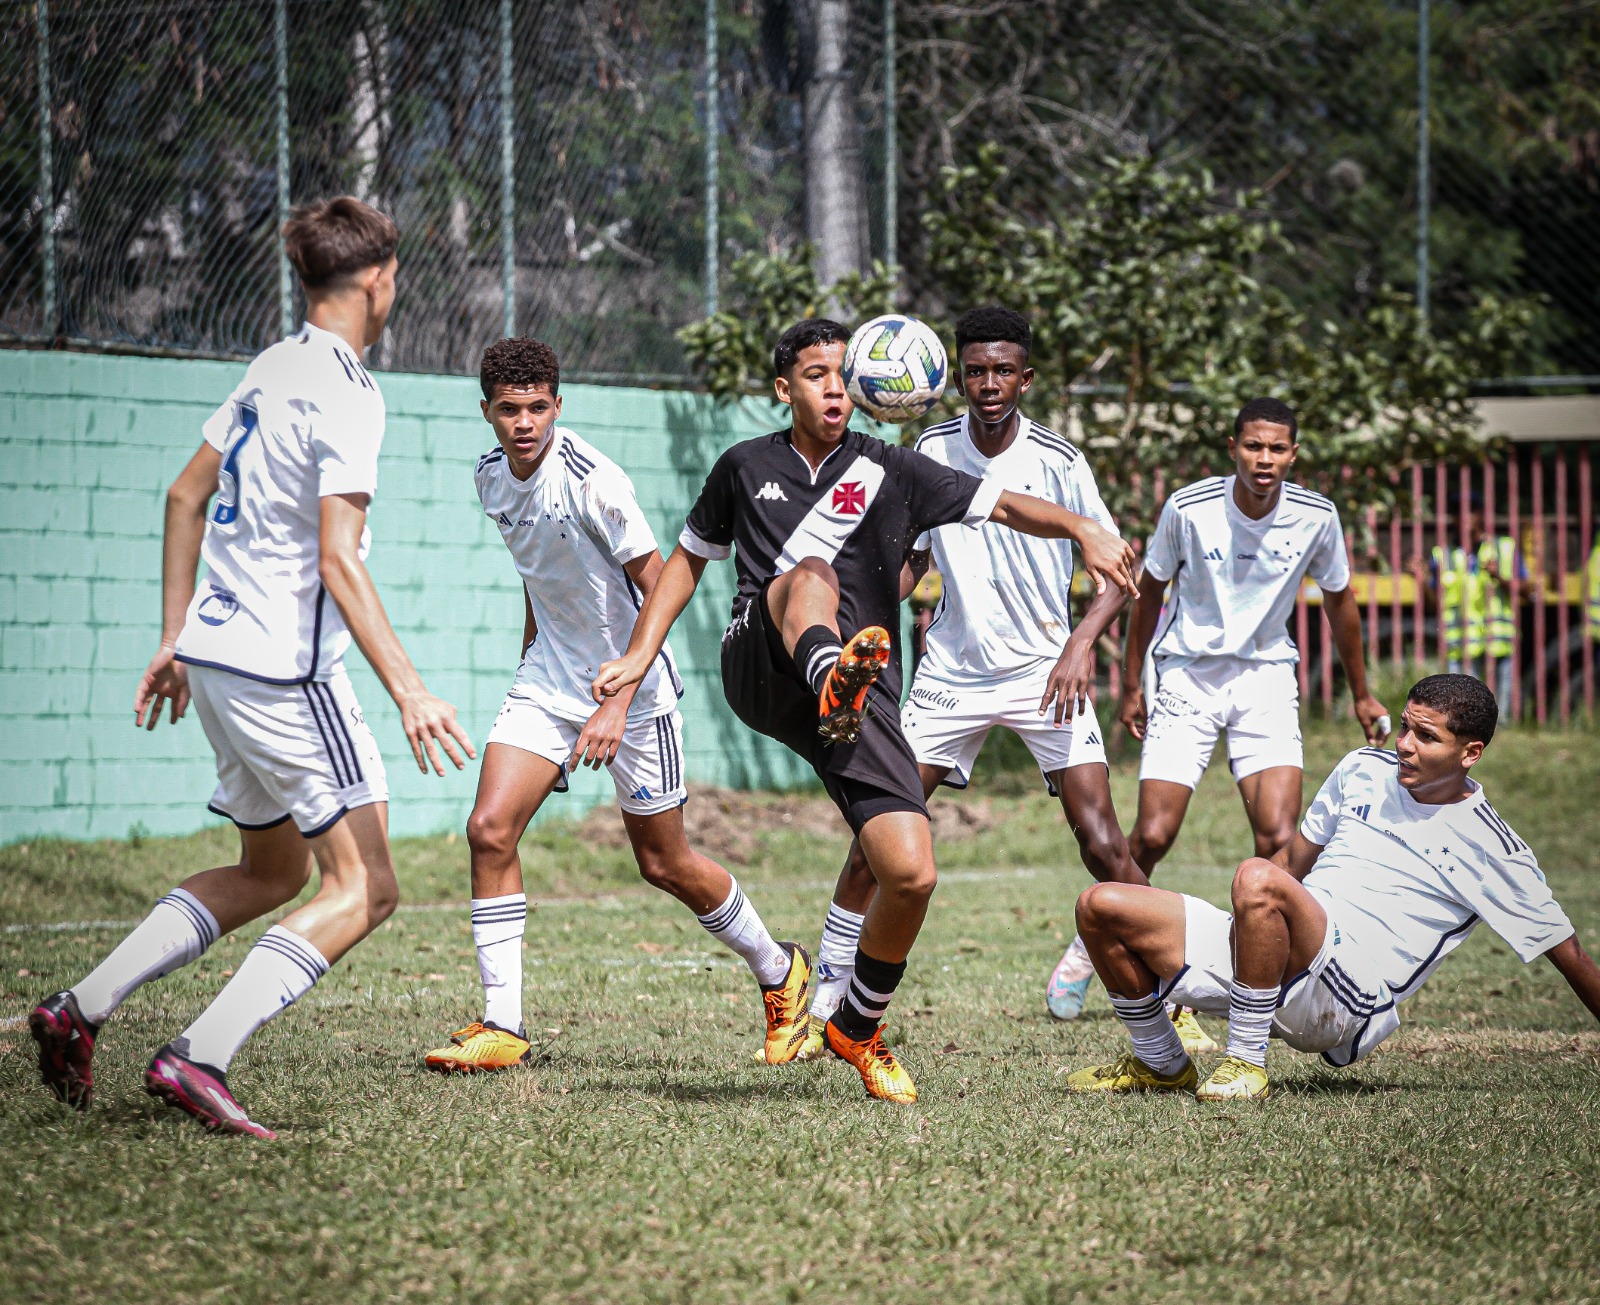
column 1458, row 586
column 1476, row 614
column 1592, row 603
column 1499, row 618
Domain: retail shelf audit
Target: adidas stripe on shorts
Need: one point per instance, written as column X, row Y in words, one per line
column 647, row 770
column 287, row 751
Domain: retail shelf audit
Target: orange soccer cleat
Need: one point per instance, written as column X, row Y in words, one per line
column 787, row 1019
column 884, row 1076
column 843, row 699
column 480, row 1049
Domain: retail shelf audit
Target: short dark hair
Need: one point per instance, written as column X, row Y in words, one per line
column 993, row 323
column 334, row 238
column 1276, row 411
column 802, row 335
column 1468, row 706
column 520, row 362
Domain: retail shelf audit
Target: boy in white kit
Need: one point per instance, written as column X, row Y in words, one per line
column 292, row 461
column 588, row 559
column 1396, row 863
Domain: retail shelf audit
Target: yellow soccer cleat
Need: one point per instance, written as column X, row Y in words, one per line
column 843, row 699
column 480, row 1049
column 884, row 1076
column 813, row 1047
column 787, row 1021
column 1235, row 1080
column 1130, row 1074
column 1196, row 1041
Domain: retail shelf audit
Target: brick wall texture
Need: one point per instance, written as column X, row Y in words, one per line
column 88, row 445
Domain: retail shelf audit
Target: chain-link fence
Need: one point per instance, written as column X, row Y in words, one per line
column 548, row 161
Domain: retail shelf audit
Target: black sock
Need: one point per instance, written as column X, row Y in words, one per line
column 865, row 1000
column 815, row 652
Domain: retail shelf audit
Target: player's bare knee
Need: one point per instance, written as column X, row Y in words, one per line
column 1256, row 885
column 1151, row 843
column 1103, row 850
column 660, row 868
column 489, row 835
column 1096, row 909
column 815, row 570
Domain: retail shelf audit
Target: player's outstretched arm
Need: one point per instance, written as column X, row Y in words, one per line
column 1105, row 555
column 430, row 722
column 673, row 589
column 1579, row 970
column 1142, row 622
column 1345, row 619
column 165, row 679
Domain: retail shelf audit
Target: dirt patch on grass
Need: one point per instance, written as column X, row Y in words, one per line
column 726, row 824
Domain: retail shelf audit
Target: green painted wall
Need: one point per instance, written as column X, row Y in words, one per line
column 88, row 445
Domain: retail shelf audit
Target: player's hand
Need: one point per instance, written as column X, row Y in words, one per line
column 1374, row 718
column 430, row 724
column 617, row 675
column 602, row 736
column 1107, row 557
column 1070, row 681
column 166, row 679
column 1131, row 712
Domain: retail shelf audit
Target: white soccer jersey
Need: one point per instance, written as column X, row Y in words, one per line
column 1007, row 596
column 1236, row 579
column 305, row 423
column 570, row 528
column 1409, row 881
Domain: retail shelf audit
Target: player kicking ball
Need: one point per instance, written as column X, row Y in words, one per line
column 1398, row 859
column 1234, row 550
column 1002, row 649
column 292, row 461
column 818, row 517
column 586, row 556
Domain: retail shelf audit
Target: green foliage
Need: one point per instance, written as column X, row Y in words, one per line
column 1153, row 324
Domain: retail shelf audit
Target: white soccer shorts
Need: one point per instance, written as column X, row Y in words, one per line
column 946, row 724
column 300, row 751
column 1338, row 1006
column 1257, row 703
column 647, row 770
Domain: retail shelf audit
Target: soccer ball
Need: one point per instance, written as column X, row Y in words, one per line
column 895, row 368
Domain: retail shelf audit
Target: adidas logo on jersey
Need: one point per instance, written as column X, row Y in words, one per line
column 1361, row 811
column 1215, row 555
column 505, row 520
column 771, row 491
column 1092, row 740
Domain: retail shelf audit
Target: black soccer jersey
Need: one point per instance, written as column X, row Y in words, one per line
column 858, row 512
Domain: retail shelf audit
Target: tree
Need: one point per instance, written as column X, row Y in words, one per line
column 1152, row 325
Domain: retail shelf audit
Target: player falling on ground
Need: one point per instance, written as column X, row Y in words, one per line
column 292, row 460
column 1002, row 649
column 1234, row 550
column 586, row 556
column 1397, row 860
column 819, row 517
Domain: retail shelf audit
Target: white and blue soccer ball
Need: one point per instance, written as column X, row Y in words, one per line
column 895, row 368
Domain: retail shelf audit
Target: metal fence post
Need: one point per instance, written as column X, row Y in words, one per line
column 280, row 44
column 47, row 183
column 891, row 155
column 1422, row 160
column 508, row 194
column 712, row 128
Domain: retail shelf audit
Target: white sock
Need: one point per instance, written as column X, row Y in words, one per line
column 836, row 959
column 737, row 925
column 1076, row 964
column 1155, row 1041
column 280, row 969
column 176, row 933
column 1250, row 1012
column 497, row 928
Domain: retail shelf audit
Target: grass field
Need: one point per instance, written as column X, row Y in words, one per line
column 647, row 1158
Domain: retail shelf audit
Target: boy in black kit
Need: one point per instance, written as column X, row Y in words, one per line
column 819, row 517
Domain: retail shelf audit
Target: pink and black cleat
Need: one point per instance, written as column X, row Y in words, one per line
column 200, row 1091
column 66, row 1048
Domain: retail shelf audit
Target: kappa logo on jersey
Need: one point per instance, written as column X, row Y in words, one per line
column 771, row 491
column 850, row 500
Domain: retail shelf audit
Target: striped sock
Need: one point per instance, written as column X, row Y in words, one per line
column 1250, row 1012
column 1155, row 1040
column 280, row 969
column 836, row 959
column 867, row 998
column 815, row 653
column 176, row 933
column 498, row 924
column 738, row 926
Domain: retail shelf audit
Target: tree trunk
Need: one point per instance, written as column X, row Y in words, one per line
column 836, row 208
